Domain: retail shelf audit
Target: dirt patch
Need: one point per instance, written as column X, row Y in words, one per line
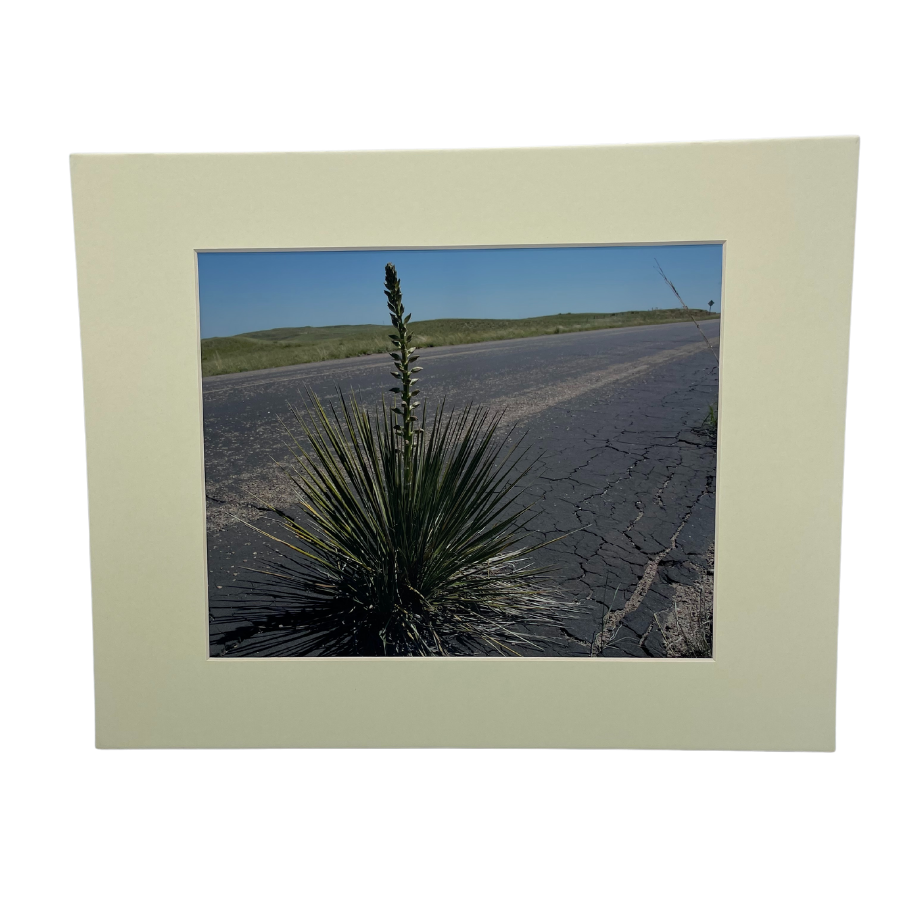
column 245, row 498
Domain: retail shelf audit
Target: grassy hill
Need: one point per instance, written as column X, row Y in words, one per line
column 290, row 346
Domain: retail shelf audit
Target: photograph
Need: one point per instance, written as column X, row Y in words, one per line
column 448, row 479
column 462, row 452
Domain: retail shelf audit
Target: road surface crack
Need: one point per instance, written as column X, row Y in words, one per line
column 614, row 618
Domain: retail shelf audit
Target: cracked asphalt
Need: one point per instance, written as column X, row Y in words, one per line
column 616, row 417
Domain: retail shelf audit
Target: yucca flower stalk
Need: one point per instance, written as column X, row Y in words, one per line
column 410, row 541
column 403, row 360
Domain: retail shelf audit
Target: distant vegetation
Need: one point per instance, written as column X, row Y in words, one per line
column 290, row 346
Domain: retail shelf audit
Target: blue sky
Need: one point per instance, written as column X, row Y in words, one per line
column 255, row 291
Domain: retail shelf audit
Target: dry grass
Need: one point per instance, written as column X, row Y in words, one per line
column 688, row 628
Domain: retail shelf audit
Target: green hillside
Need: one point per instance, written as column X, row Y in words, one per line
column 290, row 346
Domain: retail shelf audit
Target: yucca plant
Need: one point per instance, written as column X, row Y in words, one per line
column 411, row 538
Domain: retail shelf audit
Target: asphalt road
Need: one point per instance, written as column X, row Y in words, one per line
column 616, row 417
